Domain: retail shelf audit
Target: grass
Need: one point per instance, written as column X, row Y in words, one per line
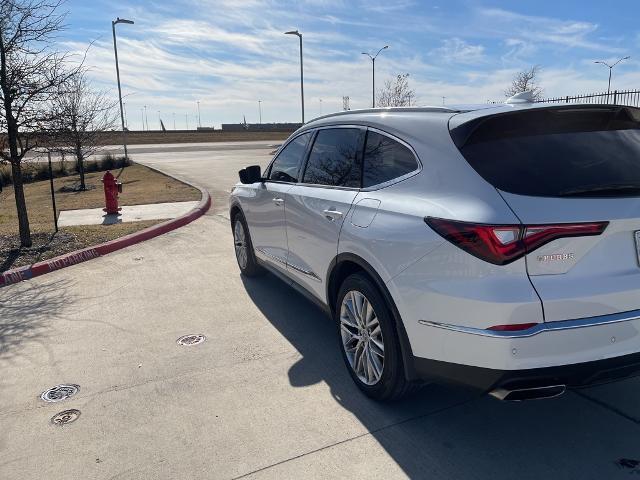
column 141, row 185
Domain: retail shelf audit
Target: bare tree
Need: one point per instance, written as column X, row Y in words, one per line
column 81, row 115
column 31, row 75
column 524, row 81
column 397, row 93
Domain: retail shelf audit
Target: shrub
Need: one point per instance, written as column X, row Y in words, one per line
column 37, row 171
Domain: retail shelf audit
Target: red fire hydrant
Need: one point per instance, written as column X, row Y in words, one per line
column 111, row 189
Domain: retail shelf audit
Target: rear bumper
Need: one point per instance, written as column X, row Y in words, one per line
column 573, row 375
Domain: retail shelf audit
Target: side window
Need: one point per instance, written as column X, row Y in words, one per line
column 385, row 159
column 286, row 165
column 334, row 158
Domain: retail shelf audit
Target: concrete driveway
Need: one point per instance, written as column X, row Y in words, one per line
column 266, row 395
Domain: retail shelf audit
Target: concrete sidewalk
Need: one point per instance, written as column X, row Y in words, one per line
column 128, row 213
column 265, row 396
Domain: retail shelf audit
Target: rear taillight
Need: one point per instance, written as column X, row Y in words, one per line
column 502, row 244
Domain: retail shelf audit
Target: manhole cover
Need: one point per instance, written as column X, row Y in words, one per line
column 59, row 393
column 67, row 416
column 190, row 340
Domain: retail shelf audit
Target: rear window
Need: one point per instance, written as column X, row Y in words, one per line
column 385, row 160
column 570, row 151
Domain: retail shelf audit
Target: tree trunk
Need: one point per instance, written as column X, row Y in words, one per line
column 80, row 158
column 21, row 205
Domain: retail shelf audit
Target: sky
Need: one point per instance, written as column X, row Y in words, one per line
column 230, row 54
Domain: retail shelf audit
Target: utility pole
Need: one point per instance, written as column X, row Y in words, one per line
column 299, row 35
column 373, row 74
column 115, row 51
column 610, row 69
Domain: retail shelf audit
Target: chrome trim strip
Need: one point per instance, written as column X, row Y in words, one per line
column 541, row 327
column 284, row 262
column 271, row 256
column 304, row 271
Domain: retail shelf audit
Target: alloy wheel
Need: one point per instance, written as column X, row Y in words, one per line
column 362, row 337
column 240, row 243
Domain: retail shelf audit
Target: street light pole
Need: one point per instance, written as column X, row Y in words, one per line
column 115, row 51
column 299, row 35
column 373, row 74
column 610, row 70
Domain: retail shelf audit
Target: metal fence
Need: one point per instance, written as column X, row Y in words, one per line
column 617, row 97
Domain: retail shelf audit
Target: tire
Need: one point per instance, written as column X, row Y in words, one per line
column 245, row 256
column 370, row 341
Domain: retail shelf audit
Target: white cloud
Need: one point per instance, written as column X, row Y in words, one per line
column 538, row 29
column 456, row 50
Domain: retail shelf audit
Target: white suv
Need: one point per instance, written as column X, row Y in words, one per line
column 496, row 246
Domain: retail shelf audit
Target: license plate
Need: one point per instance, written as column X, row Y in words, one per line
column 637, row 235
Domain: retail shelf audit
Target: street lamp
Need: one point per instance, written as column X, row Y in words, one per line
column 260, row 110
column 299, row 35
column 610, row 69
column 115, row 51
column 373, row 74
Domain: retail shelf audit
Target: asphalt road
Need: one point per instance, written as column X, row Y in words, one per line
column 170, row 148
column 266, row 395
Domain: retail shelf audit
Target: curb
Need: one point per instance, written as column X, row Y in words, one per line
column 16, row 275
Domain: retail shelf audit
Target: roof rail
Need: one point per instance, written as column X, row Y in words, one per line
column 389, row 109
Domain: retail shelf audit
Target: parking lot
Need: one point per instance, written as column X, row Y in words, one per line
column 266, row 395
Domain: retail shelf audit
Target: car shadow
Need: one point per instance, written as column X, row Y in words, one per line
column 449, row 431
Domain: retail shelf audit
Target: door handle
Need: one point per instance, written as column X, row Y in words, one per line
column 332, row 214
column 278, row 201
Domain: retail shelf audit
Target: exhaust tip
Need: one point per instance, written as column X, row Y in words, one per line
column 521, row 394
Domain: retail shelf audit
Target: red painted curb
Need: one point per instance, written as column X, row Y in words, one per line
column 24, row 273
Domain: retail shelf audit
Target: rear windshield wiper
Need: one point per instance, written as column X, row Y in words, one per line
column 603, row 190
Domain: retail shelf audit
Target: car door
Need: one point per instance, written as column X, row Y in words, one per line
column 317, row 206
column 265, row 208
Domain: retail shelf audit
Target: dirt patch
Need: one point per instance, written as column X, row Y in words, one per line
column 141, row 185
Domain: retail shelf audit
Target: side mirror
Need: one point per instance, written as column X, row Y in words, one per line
column 250, row 174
